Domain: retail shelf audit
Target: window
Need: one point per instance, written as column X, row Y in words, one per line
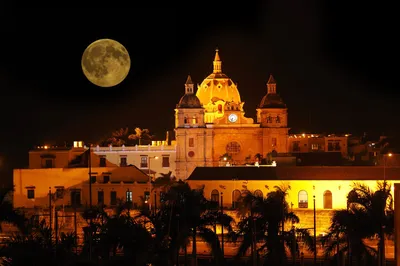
column 278, row 119
column 191, row 142
column 143, row 161
column 106, row 179
column 113, row 198
column 327, row 199
column 48, row 163
column 314, row 147
column 75, row 198
column 215, row 196
column 31, row 193
column 129, row 196
column 100, row 197
column 296, row 146
column 334, row 146
column 165, row 161
column 303, row 199
column 194, row 120
column 273, row 142
column 258, row 193
column 60, row 192
column 103, row 162
column 236, row 195
column 123, row 161
column 233, row 147
column 93, row 179
column 185, row 120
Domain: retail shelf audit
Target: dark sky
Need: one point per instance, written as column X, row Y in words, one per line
column 335, row 65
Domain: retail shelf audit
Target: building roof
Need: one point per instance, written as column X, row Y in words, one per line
column 295, row 173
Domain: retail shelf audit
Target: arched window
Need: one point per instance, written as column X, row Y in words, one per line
column 303, row 199
column 327, row 199
column 219, row 108
column 258, row 193
column 194, row 119
column 236, row 195
column 185, row 120
column 215, row 196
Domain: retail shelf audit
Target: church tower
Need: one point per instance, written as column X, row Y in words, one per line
column 189, row 132
column 272, row 117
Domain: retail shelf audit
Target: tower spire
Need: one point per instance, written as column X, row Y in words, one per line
column 217, row 63
column 189, row 85
column 271, row 84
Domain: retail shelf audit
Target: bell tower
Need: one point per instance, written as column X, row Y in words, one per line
column 189, row 132
column 272, row 117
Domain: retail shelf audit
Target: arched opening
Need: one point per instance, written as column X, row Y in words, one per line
column 327, row 199
column 258, row 193
column 215, row 196
column 236, row 195
column 220, row 108
column 303, row 199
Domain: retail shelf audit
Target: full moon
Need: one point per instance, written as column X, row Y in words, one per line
column 106, row 63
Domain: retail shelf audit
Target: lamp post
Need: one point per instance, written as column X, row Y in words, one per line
column 222, row 227
column 90, row 202
column 315, row 233
column 382, row 234
column 148, row 170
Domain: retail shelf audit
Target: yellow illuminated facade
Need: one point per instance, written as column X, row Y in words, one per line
column 211, row 123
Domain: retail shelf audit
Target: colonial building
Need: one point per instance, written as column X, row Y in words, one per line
column 211, row 123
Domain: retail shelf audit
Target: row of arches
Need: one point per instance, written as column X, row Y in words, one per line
column 302, row 198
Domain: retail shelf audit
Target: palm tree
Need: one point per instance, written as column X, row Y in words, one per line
column 8, row 213
column 119, row 137
column 141, row 134
column 164, row 181
column 369, row 213
column 345, row 238
column 34, row 245
column 262, row 221
column 186, row 214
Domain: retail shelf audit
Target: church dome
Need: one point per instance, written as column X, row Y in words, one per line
column 189, row 101
column 217, row 86
column 272, row 99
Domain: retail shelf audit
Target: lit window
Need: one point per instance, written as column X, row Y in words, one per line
column 314, row 146
column 129, row 196
column 303, row 199
column 215, row 196
column 143, row 161
column 194, row 120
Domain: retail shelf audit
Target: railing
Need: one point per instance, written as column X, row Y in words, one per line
column 135, row 148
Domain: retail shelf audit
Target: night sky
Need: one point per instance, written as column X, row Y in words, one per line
column 335, row 65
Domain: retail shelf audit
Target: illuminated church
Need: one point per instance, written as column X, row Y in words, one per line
column 211, row 123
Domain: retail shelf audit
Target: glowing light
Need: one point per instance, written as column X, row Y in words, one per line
column 156, row 157
column 225, row 158
column 46, row 147
column 390, row 154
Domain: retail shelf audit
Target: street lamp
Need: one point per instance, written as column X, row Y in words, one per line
column 152, row 157
column 382, row 240
column 315, row 233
